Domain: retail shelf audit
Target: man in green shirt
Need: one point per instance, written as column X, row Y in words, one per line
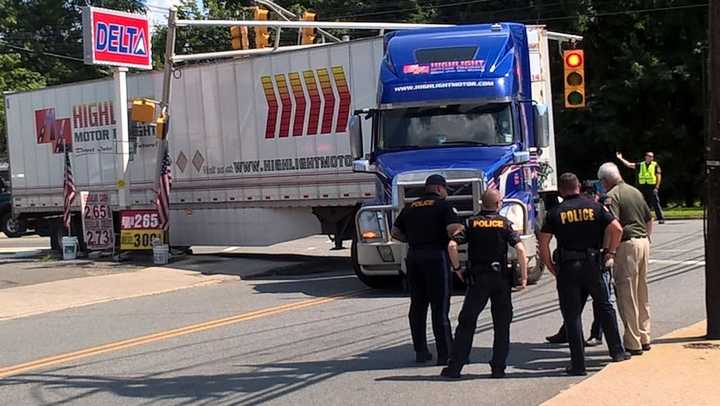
column 649, row 177
column 631, row 259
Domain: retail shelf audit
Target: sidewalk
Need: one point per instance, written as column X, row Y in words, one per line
column 680, row 369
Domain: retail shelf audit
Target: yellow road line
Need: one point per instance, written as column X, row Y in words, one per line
column 164, row 335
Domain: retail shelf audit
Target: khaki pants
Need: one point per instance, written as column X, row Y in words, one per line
column 631, row 266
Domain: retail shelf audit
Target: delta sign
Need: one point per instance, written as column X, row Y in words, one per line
column 115, row 38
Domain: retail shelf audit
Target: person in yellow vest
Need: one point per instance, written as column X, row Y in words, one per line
column 649, row 177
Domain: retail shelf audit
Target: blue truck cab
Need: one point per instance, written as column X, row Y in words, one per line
column 471, row 103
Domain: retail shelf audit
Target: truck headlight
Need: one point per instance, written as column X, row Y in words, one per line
column 371, row 226
column 515, row 213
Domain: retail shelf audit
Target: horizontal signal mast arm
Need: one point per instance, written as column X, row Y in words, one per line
column 305, row 24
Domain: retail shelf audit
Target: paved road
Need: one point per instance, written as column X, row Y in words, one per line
column 320, row 339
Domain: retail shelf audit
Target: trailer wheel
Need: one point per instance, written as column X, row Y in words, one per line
column 57, row 232
column 13, row 228
column 375, row 282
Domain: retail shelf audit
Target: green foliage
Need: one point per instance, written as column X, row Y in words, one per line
column 646, row 81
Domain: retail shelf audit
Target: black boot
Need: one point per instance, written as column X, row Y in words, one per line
column 452, row 371
column 559, row 338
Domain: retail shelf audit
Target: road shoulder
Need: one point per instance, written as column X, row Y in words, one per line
column 40, row 298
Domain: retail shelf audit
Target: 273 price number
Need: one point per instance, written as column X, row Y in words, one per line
column 98, row 237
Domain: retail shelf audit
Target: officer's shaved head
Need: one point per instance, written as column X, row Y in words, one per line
column 491, row 199
column 568, row 184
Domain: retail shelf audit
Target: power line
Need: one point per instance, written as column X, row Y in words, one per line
column 461, row 3
column 625, row 12
column 20, row 48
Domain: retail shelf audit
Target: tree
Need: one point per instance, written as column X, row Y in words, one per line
column 31, row 32
column 645, row 92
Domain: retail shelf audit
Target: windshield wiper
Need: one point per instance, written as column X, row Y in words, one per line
column 404, row 147
column 476, row 143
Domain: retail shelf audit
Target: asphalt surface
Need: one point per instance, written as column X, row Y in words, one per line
column 348, row 349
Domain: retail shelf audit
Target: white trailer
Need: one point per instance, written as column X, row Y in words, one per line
column 259, row 146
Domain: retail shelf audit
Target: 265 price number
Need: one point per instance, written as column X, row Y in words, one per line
column 96, row 212
column 141, row 221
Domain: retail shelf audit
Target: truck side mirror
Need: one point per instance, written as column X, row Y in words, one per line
column 542, row 126
column 356, row 137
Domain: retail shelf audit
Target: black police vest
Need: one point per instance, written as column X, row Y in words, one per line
column 487, row 241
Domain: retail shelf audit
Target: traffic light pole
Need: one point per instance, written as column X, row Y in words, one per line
column 712, row 199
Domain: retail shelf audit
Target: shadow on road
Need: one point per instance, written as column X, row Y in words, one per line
column 259, row 383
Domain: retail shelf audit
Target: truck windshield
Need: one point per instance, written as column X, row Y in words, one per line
column 437, row 126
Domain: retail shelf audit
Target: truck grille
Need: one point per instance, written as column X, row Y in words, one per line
column 460, row 196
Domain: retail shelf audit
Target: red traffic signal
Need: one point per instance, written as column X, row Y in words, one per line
column 573, row 59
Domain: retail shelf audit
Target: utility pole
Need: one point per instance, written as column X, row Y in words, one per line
column 712, row 195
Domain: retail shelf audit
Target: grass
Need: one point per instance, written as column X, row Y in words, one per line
column 683, row 213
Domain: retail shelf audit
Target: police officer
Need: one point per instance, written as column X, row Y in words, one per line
column 488, row 235
column 588, row 236
column 427, row 224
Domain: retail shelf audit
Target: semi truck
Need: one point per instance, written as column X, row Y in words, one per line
column 473, row 103
column 260, row 146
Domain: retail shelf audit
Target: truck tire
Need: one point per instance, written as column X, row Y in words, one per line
column 535, row 266
column 535, row 272
column 13, row 228
column 375, row 282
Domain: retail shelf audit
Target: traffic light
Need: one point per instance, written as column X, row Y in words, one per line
column 239, row 36
column 142, row 111
column 262, row 36
column 161, row 127
column 574, row 64
column 307, row 35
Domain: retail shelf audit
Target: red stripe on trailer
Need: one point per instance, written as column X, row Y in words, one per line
column 286, row 105
column 300, row 104
column 272, row 103
column 315, row 101
column 345, row 98
column 329, row 96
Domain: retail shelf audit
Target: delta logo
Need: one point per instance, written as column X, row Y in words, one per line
column 116, row 38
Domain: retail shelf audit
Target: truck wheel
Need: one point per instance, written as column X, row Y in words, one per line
column 375, row 282
column 13, row 228
column 535, row 271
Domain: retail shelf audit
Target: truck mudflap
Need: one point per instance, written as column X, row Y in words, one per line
column 381, row 259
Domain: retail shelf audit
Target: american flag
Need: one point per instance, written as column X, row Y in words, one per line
column 163, row 193
column 68, row 190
